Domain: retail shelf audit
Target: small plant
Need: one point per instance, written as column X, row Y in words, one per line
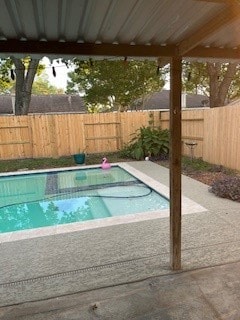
column 196, row 164
column 228, row 187
column 147, row 141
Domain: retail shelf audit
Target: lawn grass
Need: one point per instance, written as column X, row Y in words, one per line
column 31, row 164
column 47, row 163
column 188, row 165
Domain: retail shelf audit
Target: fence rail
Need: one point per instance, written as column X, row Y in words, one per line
column 216, row 133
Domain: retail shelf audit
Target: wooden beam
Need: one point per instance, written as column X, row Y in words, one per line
column 211, row 52
column 162, row 61
column 227, row 2
column 218, row 1
column 88, row 49
column 228, row 15
column 164, row 53
column 175, row 162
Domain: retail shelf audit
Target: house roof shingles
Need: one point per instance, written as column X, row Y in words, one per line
column 58, row 103
column 161, row 100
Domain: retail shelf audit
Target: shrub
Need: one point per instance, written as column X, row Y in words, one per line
column 228, row 187
column 195, row 164
column 147, row 141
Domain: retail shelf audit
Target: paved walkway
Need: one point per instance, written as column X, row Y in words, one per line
column 208, row 238
column 208, row 286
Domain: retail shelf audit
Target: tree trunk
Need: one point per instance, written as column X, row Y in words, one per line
column 24, row 82
column 219, row 89
column 225, row 84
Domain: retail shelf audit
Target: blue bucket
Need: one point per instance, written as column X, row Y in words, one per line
column 79, row 158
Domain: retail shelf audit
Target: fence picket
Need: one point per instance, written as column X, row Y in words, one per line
column 216, row 132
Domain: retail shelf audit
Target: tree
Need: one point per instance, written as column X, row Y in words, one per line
column 219, row 81
column 6, row 83
column 18, row 75
column 114, row 83
column 220, row 78
column 25, row 73
column 195, row 78
column 41, row 85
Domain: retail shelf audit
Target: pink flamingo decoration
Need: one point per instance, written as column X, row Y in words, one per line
column 105, row 164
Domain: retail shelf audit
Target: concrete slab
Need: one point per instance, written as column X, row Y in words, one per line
column 208, row 238
column 208, row 294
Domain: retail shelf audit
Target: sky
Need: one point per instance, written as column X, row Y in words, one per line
column 60, row 81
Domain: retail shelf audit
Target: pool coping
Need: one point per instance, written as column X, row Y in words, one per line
column 188, row 207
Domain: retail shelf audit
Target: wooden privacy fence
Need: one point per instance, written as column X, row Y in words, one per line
column 216, row 133
column 55, row 135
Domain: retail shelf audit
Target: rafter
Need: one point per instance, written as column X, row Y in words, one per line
column 228, row 15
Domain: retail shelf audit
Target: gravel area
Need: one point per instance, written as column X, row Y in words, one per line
column 207, row 177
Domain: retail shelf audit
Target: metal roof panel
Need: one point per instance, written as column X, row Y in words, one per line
column 140, row 22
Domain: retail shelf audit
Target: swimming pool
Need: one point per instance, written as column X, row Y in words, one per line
column 50, row 261
column 53, row 198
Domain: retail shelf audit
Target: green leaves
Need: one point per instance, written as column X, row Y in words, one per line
column 8, row 73
column 124, row 80
column 147, row 141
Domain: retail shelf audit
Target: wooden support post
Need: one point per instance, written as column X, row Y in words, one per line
column 175, row 163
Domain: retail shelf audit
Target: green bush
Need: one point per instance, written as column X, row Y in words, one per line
column 147, row 141
column 228, row 187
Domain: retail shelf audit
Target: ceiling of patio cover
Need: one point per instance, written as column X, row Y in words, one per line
column 194, row 29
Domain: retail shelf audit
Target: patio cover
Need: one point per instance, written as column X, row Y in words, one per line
column 165, row 30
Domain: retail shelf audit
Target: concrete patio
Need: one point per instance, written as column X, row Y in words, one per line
column 207, row 287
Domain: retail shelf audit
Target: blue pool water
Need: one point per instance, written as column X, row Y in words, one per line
column 36, row 200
